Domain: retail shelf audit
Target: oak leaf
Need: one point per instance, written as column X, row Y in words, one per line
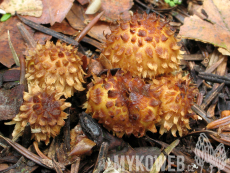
column 215, row 29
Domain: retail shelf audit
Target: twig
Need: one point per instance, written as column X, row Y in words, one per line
column 93, row 42
column 67, row 132
column 193, row 57
column 15, row 56
column 212, row 95
column 201, row 112
column 75, row 165
column 214, row 66
column 161, row 158
column 35, row 143
column 142, row 4
column 48, row 31
column 26, row 35
column 26, row 152
column 81, row 35
column 100, row 164
column 214, row 76
column 22, row 69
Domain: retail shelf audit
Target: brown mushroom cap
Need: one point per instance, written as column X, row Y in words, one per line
column 145, row 46
column 55, row 66
column 43, row 109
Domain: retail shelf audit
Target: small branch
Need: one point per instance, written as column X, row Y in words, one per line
column 214, row 93
column 22, row 69
column 75, row 165
column 26, row 35
column 214, row 66
column 201, row 112
column 142, row 4
column 100, row 164
column 81, row 35
column 193, row 57
column 93, row 42
column 48, row 31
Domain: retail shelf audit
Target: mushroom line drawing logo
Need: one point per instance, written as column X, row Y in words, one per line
column 205, row 153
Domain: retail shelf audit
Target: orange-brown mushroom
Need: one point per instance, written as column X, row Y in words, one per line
column 43, row 109
column 145, row 46
column 177, row 97
column 127, row 105
column 55, row 66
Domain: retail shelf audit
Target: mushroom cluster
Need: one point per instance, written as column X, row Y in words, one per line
column 144, row 47
column 52, row 71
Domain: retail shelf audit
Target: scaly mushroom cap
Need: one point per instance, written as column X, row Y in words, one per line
column 177, row 96
column 123, row 104
column 44, row 111
column 145, row 46
column 56, row 66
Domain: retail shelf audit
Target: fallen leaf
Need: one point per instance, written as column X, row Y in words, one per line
column 53, row 11
column 23, row 7
column 6, row 57
column 10, row 102
column 41, row 38
column 83, row 147
column 76, row 19
column 11, row 75
column 3, row 166
column 64, row 27
column 83, row 2
column 116, row 9
column 216, row 30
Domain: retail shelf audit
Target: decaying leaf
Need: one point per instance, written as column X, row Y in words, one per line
column 76, row 19
column 23, row 7
column 6, row 57
column 53, row 11
column 215, row 29
column 64, row 27
column 116, row 9
column 10, row 102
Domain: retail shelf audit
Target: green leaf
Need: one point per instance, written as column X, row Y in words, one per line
column 167, row 1
column 175, row 1
column 5, row 17
column 171, row 4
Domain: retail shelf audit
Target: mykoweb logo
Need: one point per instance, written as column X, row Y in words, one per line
column 136, row 163
column 144, row 163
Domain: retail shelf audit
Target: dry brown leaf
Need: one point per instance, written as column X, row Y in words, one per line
column 23, row 7
column 64, row 27
column 53, row 11
column 3, row 166
column 10, row 102
column 216, row 31
column 6, row 57
column 83, row 2
column 41, row 38
column 116, row 9
column 76, row 18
